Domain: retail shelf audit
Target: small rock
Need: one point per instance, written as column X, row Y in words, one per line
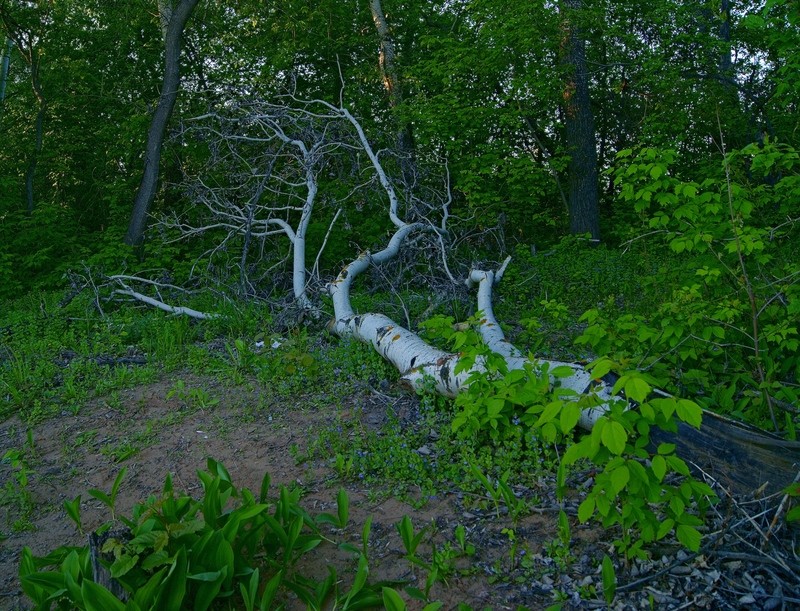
column 711, row 576
column 586, row 581
column 424, row 450
column 733, row 565
column 680, row 570
column 747, row 599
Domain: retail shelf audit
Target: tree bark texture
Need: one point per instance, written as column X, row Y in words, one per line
column 579, row 126
column 4, row 66
column 158, row 126
column 391, row 83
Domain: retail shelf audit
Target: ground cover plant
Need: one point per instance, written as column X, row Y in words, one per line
column 384, row 444
column 520, row 280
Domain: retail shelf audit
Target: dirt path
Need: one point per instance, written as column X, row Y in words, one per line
column 174, row 425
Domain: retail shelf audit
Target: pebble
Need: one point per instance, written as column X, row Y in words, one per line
column 681, row 570
column 747, row 599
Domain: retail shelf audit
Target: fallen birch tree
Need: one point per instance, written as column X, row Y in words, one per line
column 276, row 194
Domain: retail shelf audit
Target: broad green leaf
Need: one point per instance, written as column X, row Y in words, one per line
column 689, row 412
column 793, row 515
column 586, row 509
column 637, row 389
column 614, row 437
column 145, row 595
column 123, row 565
column 570, row 414
column 601, row 367
column 171, row 596
column 659, row 466
column 392, row 600
column 689, row 536
column 665, row 528
column 206, row 576
column 98, row 598
column 677, row 465
column 343, row 507
column 619, row 478
column 574, row 453
column 609, row 580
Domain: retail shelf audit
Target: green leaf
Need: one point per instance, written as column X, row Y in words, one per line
column 392, row 600
column 666, row 448
column 343, row 507
column 637, row 389
column 689, row 537
column 123, row 565
column 145, row 595
column 609, row 580
column 619, row 478
column 270, row 590
column 206, row 576
column 677, row 465
column 549, row 413
column 614, row 437
column 570, row 414
column 171, row 596
column 98, row 598
column 665, row 527
column 689, row 412
column 586, row 509
column 659, row 466
column 601, row 367
column 562, row 371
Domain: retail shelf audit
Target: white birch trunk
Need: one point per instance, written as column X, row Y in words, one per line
column 420, row 364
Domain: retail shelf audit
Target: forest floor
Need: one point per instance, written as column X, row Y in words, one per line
column 745, row 562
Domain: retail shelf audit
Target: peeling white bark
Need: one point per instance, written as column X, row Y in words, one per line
column 165, row 306
column 422, row 365
column 492, row 334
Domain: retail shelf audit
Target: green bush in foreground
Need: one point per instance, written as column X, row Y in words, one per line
column 229, row 548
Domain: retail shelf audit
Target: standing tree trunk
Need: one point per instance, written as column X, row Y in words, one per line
column 7, row 47
column 176, row 19
column 579, row 126
column 391, row 83
column 26, row 42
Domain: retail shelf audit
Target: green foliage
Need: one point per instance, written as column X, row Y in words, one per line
column 649, row 495
column 16, row 490
column 727, row 329
column 230, row 545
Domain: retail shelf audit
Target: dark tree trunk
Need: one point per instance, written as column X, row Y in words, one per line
column 579, row 127
column 392, row 85
column 30, row 173
column 155, row 136
column 9, row 44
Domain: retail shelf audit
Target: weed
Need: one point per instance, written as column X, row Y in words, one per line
column 230, row 547
column 17, row 492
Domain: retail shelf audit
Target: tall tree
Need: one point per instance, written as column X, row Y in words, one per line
column 27, row 37
column 392, row 85
column 5, row 53
column 580, row 135
column 173, row 19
